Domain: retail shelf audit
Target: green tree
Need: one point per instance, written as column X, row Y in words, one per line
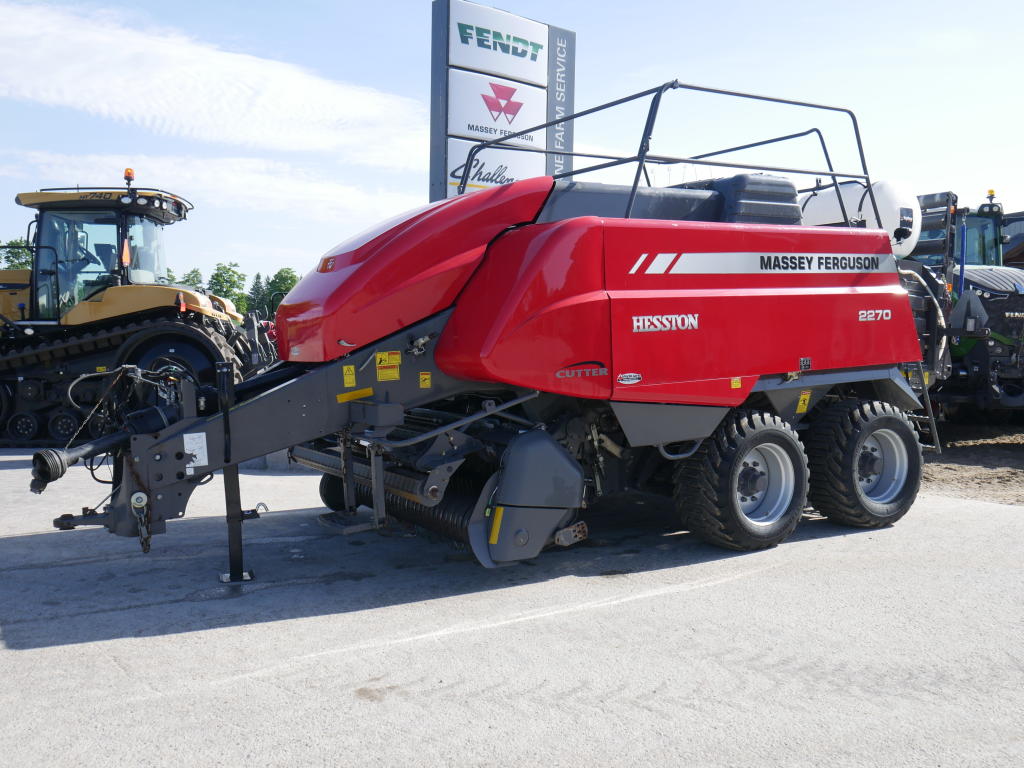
column 193, row 279
column 282, row 282
column 258, row 296
column 170, row 275
column 228, row 281
column 16, row 255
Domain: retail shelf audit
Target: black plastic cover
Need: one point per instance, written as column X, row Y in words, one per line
column 572, row 199
column 538, row 472
column 754, row 198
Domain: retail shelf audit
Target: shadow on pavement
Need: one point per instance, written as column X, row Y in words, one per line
column 65, row 588
column 15, row 463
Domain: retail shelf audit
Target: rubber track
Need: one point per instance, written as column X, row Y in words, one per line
column 700, row 481
column 828, row 435
column 113, row 337
column 50, row 352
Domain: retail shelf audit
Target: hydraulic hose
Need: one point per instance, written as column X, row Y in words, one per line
column 938, row 311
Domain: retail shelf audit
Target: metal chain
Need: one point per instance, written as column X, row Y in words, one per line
column 142, row 514
column 144, row 528
column 99, row 402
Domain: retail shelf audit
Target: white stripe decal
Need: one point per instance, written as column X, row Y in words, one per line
column 759, row 262
column 661, row 263
column 638, row 263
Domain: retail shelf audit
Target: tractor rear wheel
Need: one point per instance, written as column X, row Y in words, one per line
column 746, row 486
column 865, row 461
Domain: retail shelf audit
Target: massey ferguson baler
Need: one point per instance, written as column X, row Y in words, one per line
column 489, row 365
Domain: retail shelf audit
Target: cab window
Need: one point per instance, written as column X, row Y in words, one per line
column 78, row 259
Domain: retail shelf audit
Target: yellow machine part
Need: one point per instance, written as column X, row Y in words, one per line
column 227, row 305
column 45, row 199
column 121, row 300
column 171, row 207
column 14, row 290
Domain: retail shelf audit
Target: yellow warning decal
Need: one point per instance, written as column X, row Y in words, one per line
column 805, row 398
column 736, row 383
column 355, row 394
column 496, row 525
column 101, row 369
column 388, row 366
column 348, row 372
column 424, row 379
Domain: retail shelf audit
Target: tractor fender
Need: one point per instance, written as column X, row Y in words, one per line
column 159, row 330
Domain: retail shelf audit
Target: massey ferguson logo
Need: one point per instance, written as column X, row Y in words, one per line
column 500, row 103
column 650, row 323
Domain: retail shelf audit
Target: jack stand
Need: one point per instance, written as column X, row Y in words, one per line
column 232, row 492
column 235, row 516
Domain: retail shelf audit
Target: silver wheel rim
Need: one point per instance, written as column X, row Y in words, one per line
column 883, row 466
column 765, row 484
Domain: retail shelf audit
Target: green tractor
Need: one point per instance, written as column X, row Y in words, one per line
column 963, row 247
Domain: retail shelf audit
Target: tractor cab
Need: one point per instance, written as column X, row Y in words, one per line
column 89, row 239
column 949, row 232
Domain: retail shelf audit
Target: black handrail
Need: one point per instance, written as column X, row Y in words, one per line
column 643, row 155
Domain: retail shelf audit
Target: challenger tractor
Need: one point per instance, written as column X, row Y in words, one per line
column 96, row 311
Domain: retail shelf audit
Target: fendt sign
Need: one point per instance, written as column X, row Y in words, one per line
column 487, row 38
column 494, row 74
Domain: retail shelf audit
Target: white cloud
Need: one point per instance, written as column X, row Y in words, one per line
column 240, row 183
column 173, row 85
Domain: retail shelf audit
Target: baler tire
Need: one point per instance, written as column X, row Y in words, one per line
column 332, row 492
column 837, row 442
column 709, row 485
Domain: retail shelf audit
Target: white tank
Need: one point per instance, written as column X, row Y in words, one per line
column 898, row 210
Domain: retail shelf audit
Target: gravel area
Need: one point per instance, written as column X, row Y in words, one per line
column 978, row 461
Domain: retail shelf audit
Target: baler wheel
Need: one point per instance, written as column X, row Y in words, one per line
column 865, row 461
column 746, row 486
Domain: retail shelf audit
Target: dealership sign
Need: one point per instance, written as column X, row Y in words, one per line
column 491, row 167
column 485, row 107
column 495, row 74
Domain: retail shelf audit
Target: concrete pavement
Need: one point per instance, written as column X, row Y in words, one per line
column 898, row 647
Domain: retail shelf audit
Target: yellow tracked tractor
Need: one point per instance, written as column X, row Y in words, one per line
column 97, row 297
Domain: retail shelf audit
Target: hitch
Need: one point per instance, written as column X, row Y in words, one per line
column 89, row 516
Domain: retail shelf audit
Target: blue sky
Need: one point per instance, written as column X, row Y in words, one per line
column 294, row 125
